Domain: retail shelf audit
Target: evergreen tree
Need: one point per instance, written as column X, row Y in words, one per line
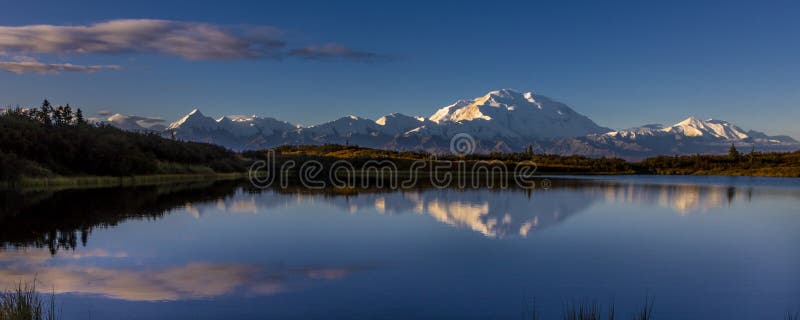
column 68, row 115
column 45, row 113
column 79, row 117
column 33, row 146
column 58, row 116
column 733, row 153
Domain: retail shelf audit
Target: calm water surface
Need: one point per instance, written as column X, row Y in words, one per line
column 702, row 247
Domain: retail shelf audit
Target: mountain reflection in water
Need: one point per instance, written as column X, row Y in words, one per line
column 61, row 219
column 362, row 251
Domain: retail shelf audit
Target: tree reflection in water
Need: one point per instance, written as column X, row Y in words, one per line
column 62, row 219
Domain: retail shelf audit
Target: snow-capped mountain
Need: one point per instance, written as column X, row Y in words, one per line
column 343, row 127
column 502, row 120
column 235, row 131
column 632, row 133
column 511, row 114
column 346, row 130
column 125, row 122
column 195, row 120
column 693, row 127
column 246, row 126
column 134, row 123
column 398, row 123
column 689, row 136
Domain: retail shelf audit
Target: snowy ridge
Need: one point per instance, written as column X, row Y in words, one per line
column 693, row 127
column 196, row 120
column 632, row 133
column 398, row 123
column 512, row 114
column 502, row 120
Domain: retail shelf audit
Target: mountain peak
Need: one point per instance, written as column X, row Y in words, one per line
column 509, row 113
column 196, row 120
column 396, row 116
column 695, row 127
column 501, row 97
column 691, row 120
column 504, row 93
column 398, row 123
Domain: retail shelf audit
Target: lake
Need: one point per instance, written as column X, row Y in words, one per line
column 697, row 247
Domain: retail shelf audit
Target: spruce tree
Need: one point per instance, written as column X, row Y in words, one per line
column 45, row 113
column 68, row 115
column 79, row 117
column 58, row 116
column 733, row 153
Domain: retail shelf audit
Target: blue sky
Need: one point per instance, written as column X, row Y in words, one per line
column 620, row 63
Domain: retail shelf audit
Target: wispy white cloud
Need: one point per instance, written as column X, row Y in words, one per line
column 33, row 66
column 336, row 51
column 188, row 40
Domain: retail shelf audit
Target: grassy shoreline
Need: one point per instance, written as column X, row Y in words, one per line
column 86, row 182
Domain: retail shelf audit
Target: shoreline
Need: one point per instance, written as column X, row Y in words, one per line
column 90, row 182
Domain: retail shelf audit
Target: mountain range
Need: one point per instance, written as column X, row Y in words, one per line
column 502, row 120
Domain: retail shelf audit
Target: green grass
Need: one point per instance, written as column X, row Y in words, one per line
column 24, row 303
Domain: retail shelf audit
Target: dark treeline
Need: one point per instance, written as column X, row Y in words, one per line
column 753, row 163
column 735, row 163
column 357, row 156
column 49, row 141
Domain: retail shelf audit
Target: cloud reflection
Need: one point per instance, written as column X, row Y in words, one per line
column 193, row 280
